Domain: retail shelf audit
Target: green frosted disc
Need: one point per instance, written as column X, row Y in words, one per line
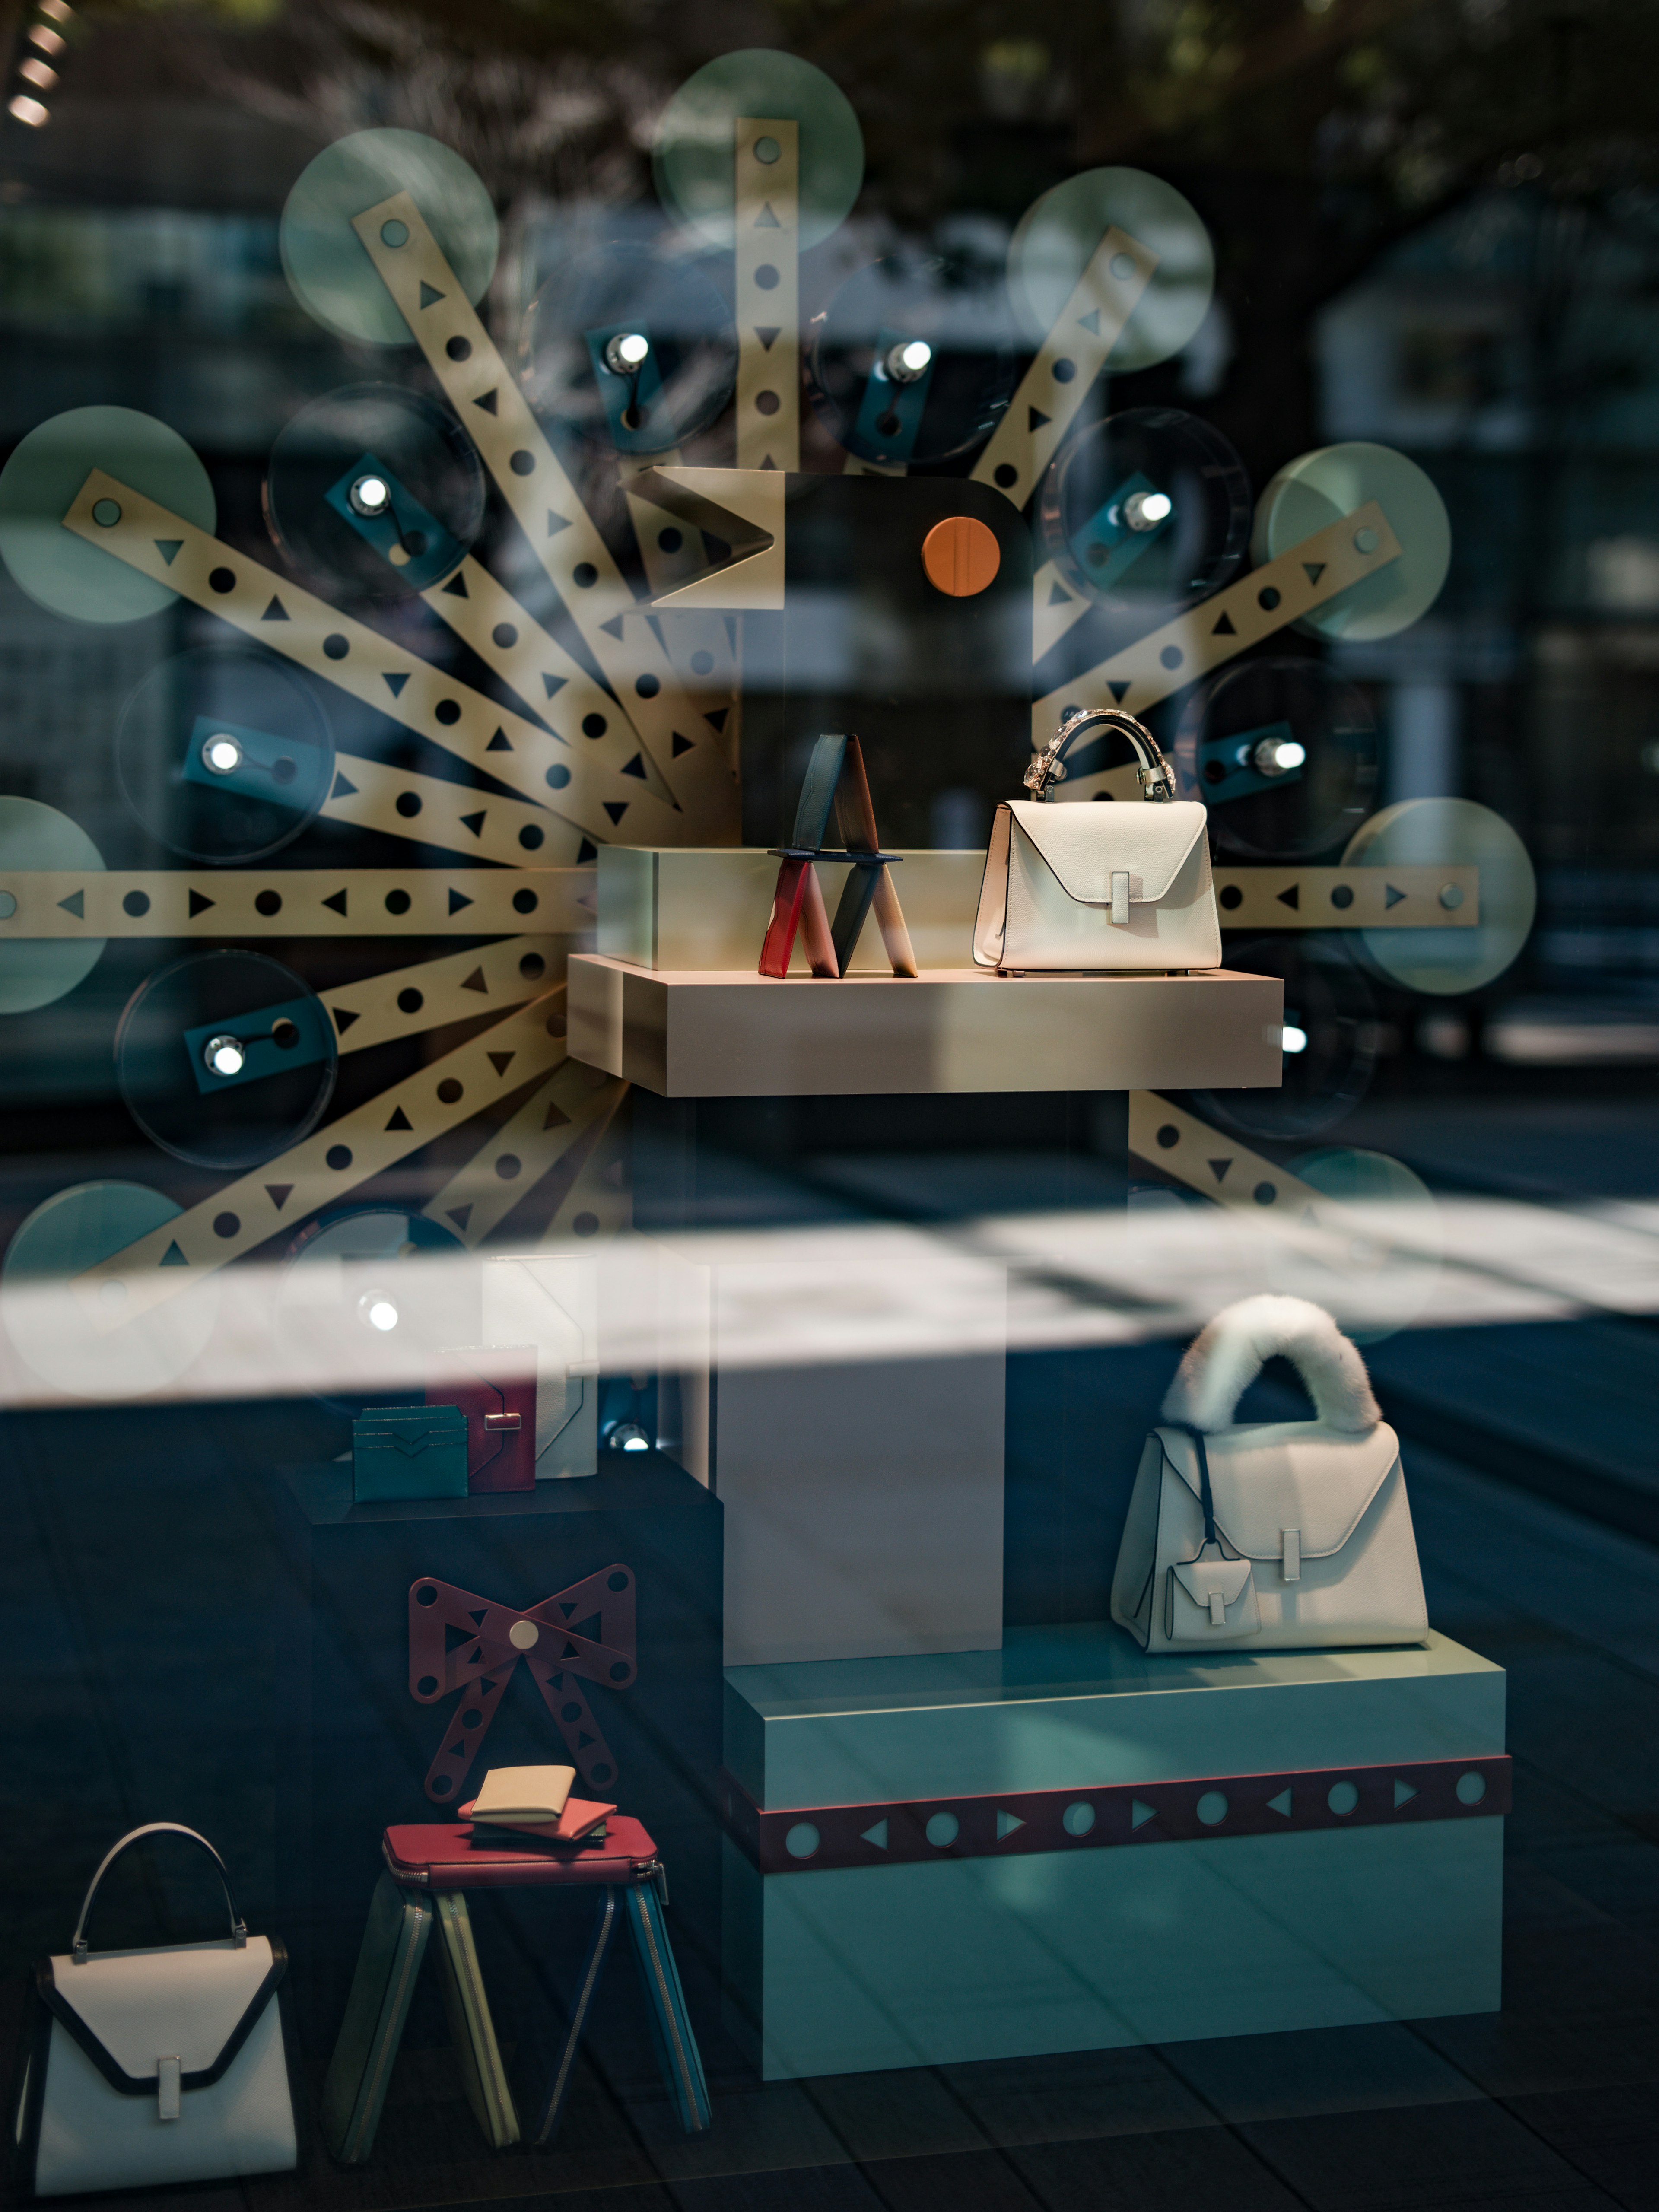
column 1320, row 489
column 327, row 264
column 1427, row 833
column 1057, row 238
column 43, row 1315
column 1377, row 1269
column 695, row 150
column 39, row 484
column 35, row 971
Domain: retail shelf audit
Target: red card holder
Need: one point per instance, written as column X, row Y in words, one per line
column 494, row 1386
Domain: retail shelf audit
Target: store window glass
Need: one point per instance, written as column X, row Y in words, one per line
column 829, row 999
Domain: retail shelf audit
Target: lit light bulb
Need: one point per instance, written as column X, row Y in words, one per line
column 370, row 494
column 909, row 359
column 48, row 40
column 221, row 754
column 32, row 111
column 629, row 1435
column 1145, row 510
column 59, row 10
column 1279, row 756
column 1292, row 1039
column 38, row 72
column 225, row 1055
column 382, row 1314
column 626, row 352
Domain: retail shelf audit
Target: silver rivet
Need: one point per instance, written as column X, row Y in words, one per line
column 524, row 1636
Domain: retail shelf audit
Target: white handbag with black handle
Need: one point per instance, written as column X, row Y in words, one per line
column 1098, row 890
column 1274, row 1536
column 164, row 2065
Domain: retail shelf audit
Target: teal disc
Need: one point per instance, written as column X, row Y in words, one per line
column 1427, row 833
column 61, row 571
column 327, row 264
column 695, row 151
column 1057, row 238
column 1320, row 488
column 44, row 1316
column 1376, row 1265
column 35, row 971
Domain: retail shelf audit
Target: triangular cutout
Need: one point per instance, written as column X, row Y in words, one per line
column 394, row 684
column 399, row 1120
column 1281, row 1804
column 1403, row 1793
column 1059, row 596
column 583, row 1742
column 717, row 717
column 275, row 611
column 552, row 684
column 555, row 523
column 475, row 822
column 279, row 1193
column 613, row 628
column 430, row 295
column 75, row 903
column 487, row 402
column 1292, row 898
column 766, row 219
column 1036, row 419
column 475, row 981
column 499, row 743
column 336, row 904
column 1118, row 690
column 677, row 744
column 1219, row 1169
column 173, row 1257
column 460, row 1215
column 768, row 336
column 344, row 1018
column 616, row 808
column 1006, row 1823
column 344, row 786
column 766, row 462
column 878, row 1836
column 1391, row 898
column 1313, row 570
column 458, row 900
column 500, row 1061
column 199, row 904
column 1091, row 322
column 636, row 766
column 555, row 1117
column 169, row 549
column 1140, row 1813
column 587, row 850
column 456, row 587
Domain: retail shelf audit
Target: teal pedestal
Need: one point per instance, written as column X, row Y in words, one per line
column 1143, row 1925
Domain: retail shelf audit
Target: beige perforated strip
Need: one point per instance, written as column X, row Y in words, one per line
column 1348, row 898
column 1067, row 364
column 558, row 1115
column 221, row 902
column 532, row 480
column 766, row 216
column 457, row 817
column 1055, row 609
column 348, row 1152
column 600, row 1200
column 394, row 681
column 459, row 987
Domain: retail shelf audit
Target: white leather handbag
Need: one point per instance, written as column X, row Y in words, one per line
column 1276, row 1535
column 164, row 2065
column 1098, row 889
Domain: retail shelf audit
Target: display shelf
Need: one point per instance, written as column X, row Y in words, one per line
column 964, row 1935
column 727, row 1033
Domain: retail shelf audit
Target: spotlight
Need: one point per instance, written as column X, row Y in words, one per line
column 909, row 359
column 221, row 754
column 370, row 494
column 225, row 1055
column 1278, row 755
column 1145, row 510
column 626, row 352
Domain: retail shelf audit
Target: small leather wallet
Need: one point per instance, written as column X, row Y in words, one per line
column 494, row 1386
column 409, row 1451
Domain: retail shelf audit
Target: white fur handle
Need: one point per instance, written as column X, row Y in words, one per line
column 1222, row 1362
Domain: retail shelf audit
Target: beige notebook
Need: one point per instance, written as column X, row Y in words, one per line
column 523, row 1793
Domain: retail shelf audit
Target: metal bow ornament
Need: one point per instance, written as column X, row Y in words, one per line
column 459, row 1641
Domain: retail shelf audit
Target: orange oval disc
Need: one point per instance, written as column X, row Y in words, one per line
column 961, row 555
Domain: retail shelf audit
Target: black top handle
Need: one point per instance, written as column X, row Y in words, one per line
column 1155, row 776
column 1204, row 1498
column 238, row 1926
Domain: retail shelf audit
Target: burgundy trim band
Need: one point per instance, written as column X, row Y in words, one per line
column 809, row 1838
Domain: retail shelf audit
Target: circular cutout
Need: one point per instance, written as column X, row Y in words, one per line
column 1146, row 510
column 1060, row 234
column 1342, row 1797
column 328, row 266
column 914, row 360
column 65, row 572
column 961, row 556
column 942, row 1830
column 1283, row 755
column 373, row 492
column 802, row 1840
column 1211, row 1807
column 692, row 157
column 1471, row 1787
column 224, row 754
column 368, row 1295
column 44, row 1317
column 1374, row 1261
column 629, row 346
column 1079, row 1819
column 172, row 1063
column 1449, row 833
column 39, row 971
column 1328, row 1039
column 1320, row 488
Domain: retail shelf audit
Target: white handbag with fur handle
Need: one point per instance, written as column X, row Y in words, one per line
column 1274, row 1536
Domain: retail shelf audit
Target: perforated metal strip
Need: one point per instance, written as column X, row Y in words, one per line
column 456, row 818
column 766, row 214
column 458, row 987
column 236, row 903
column 558, row 1114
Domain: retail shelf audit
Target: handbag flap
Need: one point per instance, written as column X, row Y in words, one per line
column 196, row 2003
column 1269, row 1476
column 1086, row 846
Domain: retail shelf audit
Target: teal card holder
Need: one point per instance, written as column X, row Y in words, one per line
column 409, row 1451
